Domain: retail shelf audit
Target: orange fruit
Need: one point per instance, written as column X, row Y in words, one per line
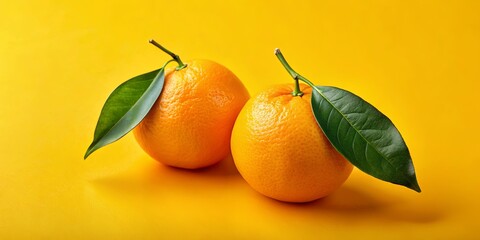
column 190, row 124
column 280, row 150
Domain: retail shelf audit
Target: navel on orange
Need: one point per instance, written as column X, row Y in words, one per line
column 190, row 124
column 280, row 150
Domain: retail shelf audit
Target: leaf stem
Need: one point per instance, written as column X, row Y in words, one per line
column 169, row 61
column 293, row 73
column 175, row 57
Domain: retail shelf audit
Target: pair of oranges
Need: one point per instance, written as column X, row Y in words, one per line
column 204, row 113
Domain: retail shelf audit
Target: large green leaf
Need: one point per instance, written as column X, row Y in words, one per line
column 126, row 106
column 366, row 137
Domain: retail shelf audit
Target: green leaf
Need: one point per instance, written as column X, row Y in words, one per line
column 126, row 106
column 366, row 137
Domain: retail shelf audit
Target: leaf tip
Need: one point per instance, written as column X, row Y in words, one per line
column 86, row 155
column 413, row 184
column 89, row 151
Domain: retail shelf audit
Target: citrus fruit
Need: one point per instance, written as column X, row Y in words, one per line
column 280, row 150
column 190, row 124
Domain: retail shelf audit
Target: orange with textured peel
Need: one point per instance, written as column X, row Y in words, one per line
column 190, row 124
column 280, row 150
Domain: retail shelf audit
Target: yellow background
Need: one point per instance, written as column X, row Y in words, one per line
column 417, row 61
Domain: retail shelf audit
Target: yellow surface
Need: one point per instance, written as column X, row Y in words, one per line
column 417, row 61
